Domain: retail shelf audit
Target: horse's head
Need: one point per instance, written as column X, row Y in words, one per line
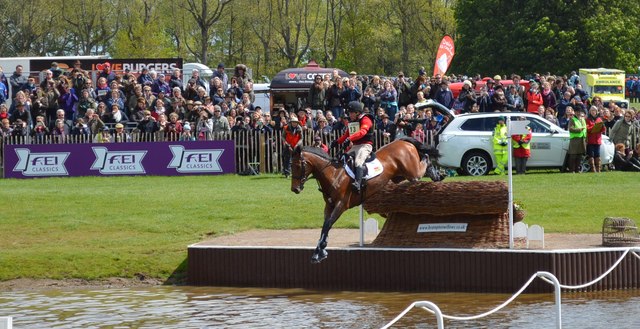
column 432, row 171
column 299, row 170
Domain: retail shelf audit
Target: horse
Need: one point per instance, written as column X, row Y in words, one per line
column 405, row 158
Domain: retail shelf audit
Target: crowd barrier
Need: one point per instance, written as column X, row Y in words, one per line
column 255, row 151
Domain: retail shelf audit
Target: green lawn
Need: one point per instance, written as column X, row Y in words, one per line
column 93, row 227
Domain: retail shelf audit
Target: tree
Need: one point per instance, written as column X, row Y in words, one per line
column 91, row 26
column 205, row 13
column 295, row 26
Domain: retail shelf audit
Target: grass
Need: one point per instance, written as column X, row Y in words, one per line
column 96, row 227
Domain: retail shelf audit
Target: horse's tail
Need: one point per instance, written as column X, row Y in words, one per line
column 423, row 150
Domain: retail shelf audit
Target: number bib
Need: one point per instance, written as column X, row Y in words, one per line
column 354, row 127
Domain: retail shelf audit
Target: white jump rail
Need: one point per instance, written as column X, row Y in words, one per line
column 545, row 276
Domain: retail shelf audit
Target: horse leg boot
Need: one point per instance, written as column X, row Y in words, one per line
column 320, row 253
column 357, row 181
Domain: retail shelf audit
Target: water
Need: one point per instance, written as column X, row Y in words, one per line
column 214, row 307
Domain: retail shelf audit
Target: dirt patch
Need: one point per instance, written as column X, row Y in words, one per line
column 351, row 237
column 68, row 284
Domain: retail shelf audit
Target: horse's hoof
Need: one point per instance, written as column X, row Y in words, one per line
column 318, row 257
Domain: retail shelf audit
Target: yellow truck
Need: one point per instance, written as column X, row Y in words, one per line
column 608, row 84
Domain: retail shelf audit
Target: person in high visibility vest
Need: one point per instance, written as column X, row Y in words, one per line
column 521, row 150
column 577, row 140
column 500, row 146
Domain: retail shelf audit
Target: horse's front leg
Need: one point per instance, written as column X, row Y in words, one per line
column 331, row 214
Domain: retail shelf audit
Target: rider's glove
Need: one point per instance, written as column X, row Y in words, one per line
column 334, row 144
column 346, row 141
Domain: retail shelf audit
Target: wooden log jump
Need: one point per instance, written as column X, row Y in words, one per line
column 442, row 215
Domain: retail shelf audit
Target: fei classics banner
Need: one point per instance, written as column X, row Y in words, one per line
column 158, row 158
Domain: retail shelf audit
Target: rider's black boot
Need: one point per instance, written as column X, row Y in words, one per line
column 357, row 181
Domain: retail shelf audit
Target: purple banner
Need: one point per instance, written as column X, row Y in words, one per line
column 156, row 158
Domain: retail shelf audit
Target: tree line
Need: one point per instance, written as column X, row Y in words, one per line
column 367, row 36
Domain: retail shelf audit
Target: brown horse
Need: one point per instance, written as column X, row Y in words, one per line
column 402, row 159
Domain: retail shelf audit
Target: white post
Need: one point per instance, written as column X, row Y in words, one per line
column 510, row 154
column 361, row 226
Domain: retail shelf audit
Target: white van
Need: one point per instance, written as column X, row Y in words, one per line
column 263, row 97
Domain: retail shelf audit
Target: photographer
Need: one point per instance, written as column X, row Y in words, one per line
column 79, row 80
column 80, row 131
column 40, row 130
column 204, row 126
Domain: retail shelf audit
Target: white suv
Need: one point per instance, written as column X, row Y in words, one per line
column 466, row 143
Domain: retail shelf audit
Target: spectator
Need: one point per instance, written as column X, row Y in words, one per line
column 173, row 128
column 103, row 90
column 198, row 81
column 68, row 101
column 56, row 72
column 145, row 78
column 387, row 128
column 220, row 124
column 85, row 103
column 4, row 112
column 622, row 161
column 103, row 136
column 60, row 131
column 106, row 73
column 23, row 115
column 351, row 92
column 147, row 127
column 116, row 115
column 484, row 100
column 17, row 81
column 80, row 131
column 323, row 127
column 621, row 131
column 389, row 99
column 500, row 146
column 498, row 100
column 204, row 125
column 115, row 99
column 404, row 90
column 418, row 133
column 522, row 150
column 317, row 142
column 292, row 137
column 175, row 81
column 220, row 74
column 160, row 85
column 186, row 133
column 514, row 100
column 40, row 130
column 158, row 110
column 137, row 112
column 534, row 98
column 120, row 135
column 334, row 97
column 93, row 121
column 317, row 95
column 148, row 96
column 577, row 137
column 467, row 96
column 444, row 95
column 595, row 129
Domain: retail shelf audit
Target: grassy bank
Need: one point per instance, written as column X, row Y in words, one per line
column 93, row 227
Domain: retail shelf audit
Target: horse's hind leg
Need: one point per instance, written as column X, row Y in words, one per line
column 331, row 214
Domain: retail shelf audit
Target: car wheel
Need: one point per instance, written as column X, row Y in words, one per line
column 476, row 164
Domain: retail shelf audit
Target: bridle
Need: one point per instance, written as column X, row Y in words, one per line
column 303, row 171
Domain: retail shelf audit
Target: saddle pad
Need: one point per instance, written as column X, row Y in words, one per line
column 374, row 168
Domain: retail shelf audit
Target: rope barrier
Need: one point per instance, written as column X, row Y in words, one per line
column 545, row 276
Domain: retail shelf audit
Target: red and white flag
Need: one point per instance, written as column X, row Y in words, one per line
column 446, row 50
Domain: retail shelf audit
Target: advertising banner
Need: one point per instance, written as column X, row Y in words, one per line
column 157, row 158
column 445, row 54
column 160, row 65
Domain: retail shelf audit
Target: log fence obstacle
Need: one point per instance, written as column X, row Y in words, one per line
column 443, row 215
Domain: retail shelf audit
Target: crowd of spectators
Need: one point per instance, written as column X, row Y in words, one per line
column 68, row 103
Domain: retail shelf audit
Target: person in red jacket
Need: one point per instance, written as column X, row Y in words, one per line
column 360, row 133
column 292, row 138
column 595, row 129
column 534, row 98
column 521, row 150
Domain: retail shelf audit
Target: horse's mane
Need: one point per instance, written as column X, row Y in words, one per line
column 432, row 152
column 317, row 151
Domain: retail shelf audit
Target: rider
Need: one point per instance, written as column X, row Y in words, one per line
column 360, row 133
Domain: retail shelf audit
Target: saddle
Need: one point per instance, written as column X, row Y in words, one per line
column 373, row 166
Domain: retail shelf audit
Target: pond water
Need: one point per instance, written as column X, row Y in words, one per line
column 215, row 307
